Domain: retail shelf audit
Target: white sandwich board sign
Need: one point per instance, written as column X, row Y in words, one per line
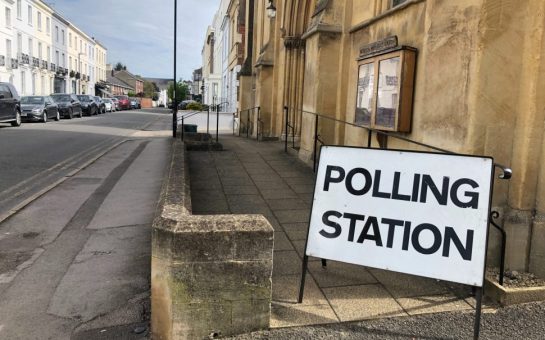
column 418, row 213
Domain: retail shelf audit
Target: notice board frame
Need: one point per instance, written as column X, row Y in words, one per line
column 477, row 289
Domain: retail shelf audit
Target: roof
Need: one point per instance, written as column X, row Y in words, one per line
column 129, row 74
column 117, row 82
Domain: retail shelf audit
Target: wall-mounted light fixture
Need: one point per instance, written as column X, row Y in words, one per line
column 271, row 10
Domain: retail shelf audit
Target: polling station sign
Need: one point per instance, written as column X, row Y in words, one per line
column 418, row 213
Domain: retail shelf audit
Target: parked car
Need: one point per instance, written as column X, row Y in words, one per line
column 109, row 105
column 100, row 104
column 69, row 105
column 183, row 104
column 124, row 103
column 88, row 105
column 10, row 107
column 39, row 108
column 135, row 103
column 116, row 104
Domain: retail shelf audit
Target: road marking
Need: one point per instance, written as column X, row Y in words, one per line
column 40, row 193
column 60, row 165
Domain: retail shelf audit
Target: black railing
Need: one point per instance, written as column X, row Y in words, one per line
column 246, row 120
column 382, row 138
column 212, row 108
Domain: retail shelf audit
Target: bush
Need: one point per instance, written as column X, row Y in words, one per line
column 194, row 106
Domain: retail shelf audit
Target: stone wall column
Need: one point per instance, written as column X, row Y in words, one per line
column 528, row 139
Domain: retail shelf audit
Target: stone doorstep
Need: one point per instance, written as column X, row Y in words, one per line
column 511, row 296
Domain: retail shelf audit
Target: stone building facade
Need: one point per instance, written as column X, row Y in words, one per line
column 478, row 88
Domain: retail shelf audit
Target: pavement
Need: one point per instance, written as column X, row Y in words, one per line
column 75, row 258
column 259, row 178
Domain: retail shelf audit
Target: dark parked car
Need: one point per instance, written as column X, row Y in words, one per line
column 10, row 109
column 39, row 108
column 184, row 103
column 124, row 102
column 69, row 105
column 100, row 104
column 88, row 105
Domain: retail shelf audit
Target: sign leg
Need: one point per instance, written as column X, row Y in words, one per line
column 477, row 326
column 303, row 276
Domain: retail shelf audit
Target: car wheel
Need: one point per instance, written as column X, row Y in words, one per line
column 17, row 121
column 44, row 117
column 58, row 116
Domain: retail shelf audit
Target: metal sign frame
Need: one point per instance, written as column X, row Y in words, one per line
column 478, row 290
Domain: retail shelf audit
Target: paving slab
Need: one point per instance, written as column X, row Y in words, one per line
column 403, row 285
column 338, row 274
column 296, row 231
column 433, row 304
column 362, row 302
column 280, row 187
column 281, row 241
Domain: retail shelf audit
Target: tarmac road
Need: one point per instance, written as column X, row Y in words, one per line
column 77, row 199
column 36, row 155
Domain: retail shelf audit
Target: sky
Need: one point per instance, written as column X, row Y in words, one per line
column 140, row 33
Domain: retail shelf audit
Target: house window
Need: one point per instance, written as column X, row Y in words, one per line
column 62, row 35
column 19, row 43
column 57, row 33
column 397, row 2
column 19, row 9
column 57, row 58
column 48, row 54
column 40, row 50
column 8, row 17
column 70, row 39
column 30, row 15
column 384, row 91
column 39, row 21
column 48, row 26
column 23, row 76
column 30, row 47
column 8, row 51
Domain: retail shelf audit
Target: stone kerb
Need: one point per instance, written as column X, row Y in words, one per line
column 211, row 275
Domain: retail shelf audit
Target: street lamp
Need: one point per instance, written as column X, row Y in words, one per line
column 175, row 107
column 271, row 10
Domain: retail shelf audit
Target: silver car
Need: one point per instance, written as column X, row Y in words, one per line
column 39, row 108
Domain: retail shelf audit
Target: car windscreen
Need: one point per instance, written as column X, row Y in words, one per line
column 84, row 98
column 32, row 100
column 61, row 98
column 107, row 101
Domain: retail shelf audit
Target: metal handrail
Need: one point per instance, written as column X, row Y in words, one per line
column 188, row 115
column 249, row 122
column 506, row 172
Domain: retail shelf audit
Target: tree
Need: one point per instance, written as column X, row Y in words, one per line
column 150, row 89
column 120, row 67
column 131, row 94
column 182, row 90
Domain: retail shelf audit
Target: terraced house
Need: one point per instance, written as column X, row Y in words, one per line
column 41, row 52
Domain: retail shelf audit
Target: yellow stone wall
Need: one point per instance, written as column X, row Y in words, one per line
column 479, row 89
